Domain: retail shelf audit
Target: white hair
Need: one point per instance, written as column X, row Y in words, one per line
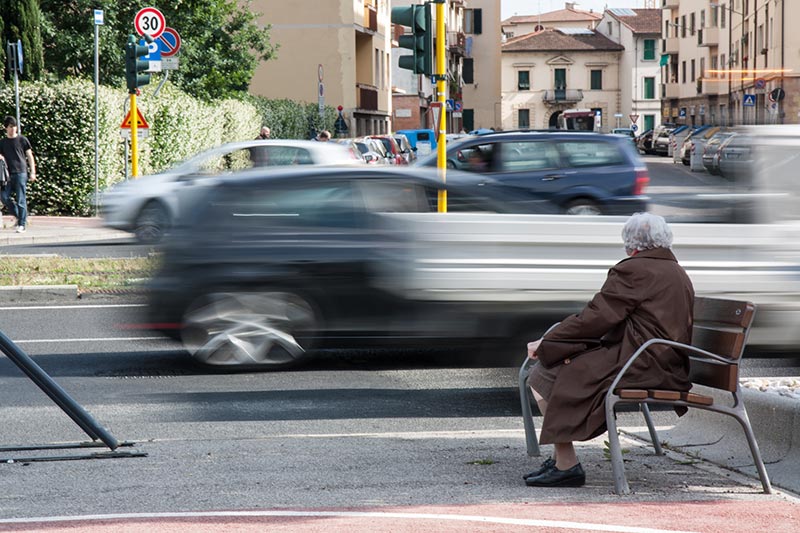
column 645, row 231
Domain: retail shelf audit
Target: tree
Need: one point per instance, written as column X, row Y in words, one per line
column 22, row 22
column 221, row 42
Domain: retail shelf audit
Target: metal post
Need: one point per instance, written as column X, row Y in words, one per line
column 77, row 413
column 96, row 116
column 441, row 87
column 134, row 138
column 16, row 94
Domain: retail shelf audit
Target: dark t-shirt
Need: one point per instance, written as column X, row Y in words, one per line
column 14, row 152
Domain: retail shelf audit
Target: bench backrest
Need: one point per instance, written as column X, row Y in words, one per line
column 720, row 327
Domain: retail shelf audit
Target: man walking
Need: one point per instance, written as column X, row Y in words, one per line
column 17, row 152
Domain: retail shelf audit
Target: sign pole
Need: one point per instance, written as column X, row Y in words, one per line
column 134, row 137
column 441, row 87
column 98, row 19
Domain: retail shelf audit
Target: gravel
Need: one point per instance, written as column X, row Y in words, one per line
column 787, row 386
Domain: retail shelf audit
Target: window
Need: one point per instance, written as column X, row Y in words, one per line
column 597, row 80
column 528, row 156
column 649, row 88
column 714, row 17
column 722, row 65
column 523, row 118
column 468, row 70
column 702, row 18
column 683, row 72
column 722, row 16
column 691, row 24
column 610, row 29
column 693, row 72
column 473, row 21
column 590, row 154
column 649, row 122
column 649, row 50
column 524, row 80
column 560, row 80
column 683, row 26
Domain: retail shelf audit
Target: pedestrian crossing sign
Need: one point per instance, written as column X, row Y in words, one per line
column 749, row 100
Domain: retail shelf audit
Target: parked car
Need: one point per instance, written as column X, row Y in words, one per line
column 661, row 140
column 644, row 143
column 373, row 151
column 147, row 206
column 392, row 149
column 405, row 148
column 736, row 159
column 268, row 265
column 690, row 143
column 583, row 173
column 711, row 150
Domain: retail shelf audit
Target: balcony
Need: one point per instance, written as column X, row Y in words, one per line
column 672, row 45
column 562, row 96
column 670, row 4
column 457, row 42
column 366, row 97
column 370, row 19
column 671, row 90
column 708, row 37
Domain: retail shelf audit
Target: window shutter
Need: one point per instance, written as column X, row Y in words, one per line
column 467, row 73
column 477, row 23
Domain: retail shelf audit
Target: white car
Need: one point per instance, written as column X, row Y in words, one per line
column 147, row 206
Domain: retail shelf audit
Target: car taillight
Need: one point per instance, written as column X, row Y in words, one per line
column 642, row 179
column 460, row 156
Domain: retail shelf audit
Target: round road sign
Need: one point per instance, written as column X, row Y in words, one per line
column 150, row 21
column 170, row 42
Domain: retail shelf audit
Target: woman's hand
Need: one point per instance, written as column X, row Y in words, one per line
column 532, row 347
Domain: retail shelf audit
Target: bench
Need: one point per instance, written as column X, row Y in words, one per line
column 719, row 336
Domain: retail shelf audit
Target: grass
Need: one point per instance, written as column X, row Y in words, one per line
column 89, row 274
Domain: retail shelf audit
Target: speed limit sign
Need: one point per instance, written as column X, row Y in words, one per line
column 150, row 21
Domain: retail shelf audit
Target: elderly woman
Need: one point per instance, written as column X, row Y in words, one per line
column 647, row 295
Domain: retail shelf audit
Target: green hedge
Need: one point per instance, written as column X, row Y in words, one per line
column 59, row 121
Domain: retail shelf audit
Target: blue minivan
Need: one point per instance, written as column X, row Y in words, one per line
column 580, row 172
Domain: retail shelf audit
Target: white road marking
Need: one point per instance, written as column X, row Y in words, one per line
column 560, row 524
column 97, row 339
column 41, row 307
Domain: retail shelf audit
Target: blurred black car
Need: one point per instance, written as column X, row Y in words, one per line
column 582, row 173
column 268, row 265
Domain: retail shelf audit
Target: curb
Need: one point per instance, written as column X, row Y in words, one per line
column 720, row 439
column 32, row 239
column 37, row 293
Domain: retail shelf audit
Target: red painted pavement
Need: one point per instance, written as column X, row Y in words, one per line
column 773, row 514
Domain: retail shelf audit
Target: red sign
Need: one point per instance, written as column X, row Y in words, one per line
column 170, row 42
column 150, row 21
column 633, row 118
column 141, row 123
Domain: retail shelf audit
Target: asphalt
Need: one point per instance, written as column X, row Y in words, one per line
column 716, row 440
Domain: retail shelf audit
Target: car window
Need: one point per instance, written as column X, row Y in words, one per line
column 314, row 204
column 390, row 196
column 229, row 162
column 579, row 154
column 478, row 158
column 387, row 145
column 528, row 156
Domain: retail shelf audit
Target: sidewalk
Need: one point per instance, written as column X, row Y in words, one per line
column 46, row 230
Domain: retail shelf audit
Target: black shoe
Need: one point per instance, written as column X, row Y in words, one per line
column 546, row 465
column 572, row 477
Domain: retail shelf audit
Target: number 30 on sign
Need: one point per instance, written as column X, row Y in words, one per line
column 150, row 21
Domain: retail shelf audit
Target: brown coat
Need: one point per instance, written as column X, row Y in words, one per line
column 645, row 296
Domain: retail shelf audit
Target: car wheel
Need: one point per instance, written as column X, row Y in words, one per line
column 268, row 329
column 152, row 223
column 584, row 207
column 450, row 164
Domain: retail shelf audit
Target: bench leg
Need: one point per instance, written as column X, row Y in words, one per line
column 740, row 414
column 651, row 428
column 617, row 464
column 527, row 415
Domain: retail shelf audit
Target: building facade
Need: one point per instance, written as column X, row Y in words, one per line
column 552, row 70
column 481, row 91
column 569, row 17
column 337, row 52
column 639, row 32
column 730, row 62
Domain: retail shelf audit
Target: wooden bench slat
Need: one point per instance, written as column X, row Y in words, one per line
column 699, row 399
column 720, row 341
column 664, row 394
column 632, row 394
column 719, row 376
column 730, row 312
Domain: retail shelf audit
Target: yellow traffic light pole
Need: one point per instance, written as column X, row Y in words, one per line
column 134, row 137
column 441, row 88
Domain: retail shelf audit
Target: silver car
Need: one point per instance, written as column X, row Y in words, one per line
column 148, row 205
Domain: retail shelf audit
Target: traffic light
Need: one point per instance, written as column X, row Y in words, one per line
column 135, row 67
column 420, row 42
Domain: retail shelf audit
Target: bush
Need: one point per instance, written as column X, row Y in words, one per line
column 59, row 122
